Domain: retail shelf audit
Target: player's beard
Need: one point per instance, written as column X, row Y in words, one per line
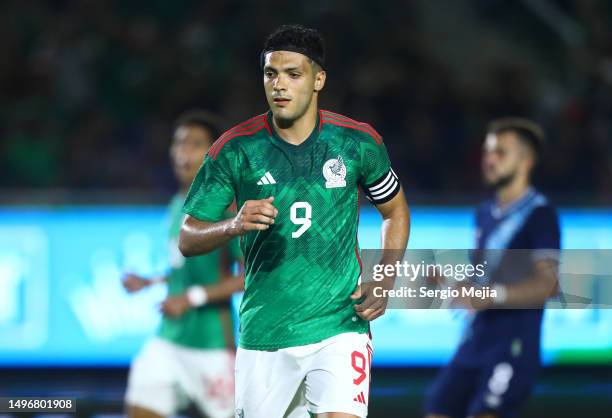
column 501, row 182
column 287, row 122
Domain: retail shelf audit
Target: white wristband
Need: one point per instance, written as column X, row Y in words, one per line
column 501, row 294
column 197, row 296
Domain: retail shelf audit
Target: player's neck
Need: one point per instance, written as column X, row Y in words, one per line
column 300, row 129
column 184, row 188
column 512, row 192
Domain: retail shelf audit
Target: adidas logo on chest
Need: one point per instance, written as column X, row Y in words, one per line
column 266, row 179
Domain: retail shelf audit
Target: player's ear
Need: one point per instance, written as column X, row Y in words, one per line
column 319, row 80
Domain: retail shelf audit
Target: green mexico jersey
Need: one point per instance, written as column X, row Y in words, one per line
column 300, row 272
column 210, row 326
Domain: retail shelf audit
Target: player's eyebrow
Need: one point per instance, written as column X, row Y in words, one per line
column 290, row 69
column 268, row 67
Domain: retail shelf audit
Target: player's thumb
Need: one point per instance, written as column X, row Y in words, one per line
column 356, row 293
column 269, row 199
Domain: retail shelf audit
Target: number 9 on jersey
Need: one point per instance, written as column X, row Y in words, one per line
column 304, row 221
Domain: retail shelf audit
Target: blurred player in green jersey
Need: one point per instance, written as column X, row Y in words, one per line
column 296, row 174
column 192, row 356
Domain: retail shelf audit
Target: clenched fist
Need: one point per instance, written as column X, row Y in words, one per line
column 254, row 215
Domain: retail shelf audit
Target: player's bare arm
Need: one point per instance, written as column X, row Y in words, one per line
column 533, row 292
column 201, row 237
column 134, row 283
column 539, row 288
column 395, row 232
column 221, row 291
column 530, row 293
column 177, row 305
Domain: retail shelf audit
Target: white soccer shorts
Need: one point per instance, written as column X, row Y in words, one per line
column 329, row 376
column 164, row 377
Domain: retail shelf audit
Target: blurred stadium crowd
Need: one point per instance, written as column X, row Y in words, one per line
column 90, row 88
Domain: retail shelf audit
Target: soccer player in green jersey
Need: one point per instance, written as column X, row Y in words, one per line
column 296, row 174
column 192, row 355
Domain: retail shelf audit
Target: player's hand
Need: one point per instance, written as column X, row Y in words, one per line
column 133, row 283
column 371, row 307
column 254, row 215
column 470, row 303
column 175, row 306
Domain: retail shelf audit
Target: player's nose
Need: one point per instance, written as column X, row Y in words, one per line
column 279, row 83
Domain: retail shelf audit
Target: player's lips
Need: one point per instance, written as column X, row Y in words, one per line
column 281, row 101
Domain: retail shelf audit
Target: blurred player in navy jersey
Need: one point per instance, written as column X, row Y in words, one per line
column 494, row 369
column 192, row 356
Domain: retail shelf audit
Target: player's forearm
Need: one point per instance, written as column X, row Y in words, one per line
column 149, row 280
column 528, row 294
column 223, row 291
column 135, row 283
column 199, row 237
column 197, row 296
column 395, row 231
column 533, row 292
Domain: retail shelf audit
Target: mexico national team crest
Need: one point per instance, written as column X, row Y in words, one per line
column 334, row 172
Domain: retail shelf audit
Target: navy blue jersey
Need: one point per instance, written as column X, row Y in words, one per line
column 529, row 227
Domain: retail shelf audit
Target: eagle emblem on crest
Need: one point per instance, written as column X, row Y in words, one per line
column 334, row 172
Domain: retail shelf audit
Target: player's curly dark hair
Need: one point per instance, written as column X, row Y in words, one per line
column 297, row 38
